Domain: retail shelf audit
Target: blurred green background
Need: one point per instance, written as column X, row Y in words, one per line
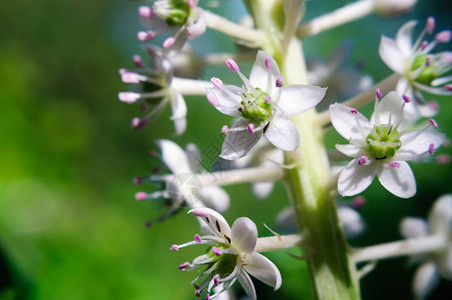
column 69, row 225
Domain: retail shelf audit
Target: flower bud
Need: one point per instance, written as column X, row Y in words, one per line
column 391, row 8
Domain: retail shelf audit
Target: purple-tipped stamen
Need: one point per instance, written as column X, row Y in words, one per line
column 207, row 297
column 216, row 280
column 428, row 60
column 138, row 124
column 448, row 87
column 378, row 92
column 434, row 124
column 198, row 238
column 199, row 213
column 406, row 98
column 443, row 37
column 138, row 61
column 251, row 128
column 146, row 12
column 443, row 159
column 232, row 65
column 354, row 111
column 268, row 99
column 213, row 99
column 174, row 247
column 129, row 97
column 394, row 164
column 217, row 251
column 183, row 266
column 168, row 42
column 358, row 202
column 145, row 36
column 431, row 149
column 279, row 82
column 130, row 77
column 362, row 160
column 141, row 196
column 424, row 45
column 191, row 3
column 198, row 292
column 217, row 83
column 268, row 63
column 430, row 25
column 137, row 180
column 225, row 129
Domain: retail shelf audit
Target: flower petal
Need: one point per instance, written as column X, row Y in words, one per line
column 440, row 216
column 247, row 284
column 263, row 269
column 239, row 142
column 298, row 98
column 425, row 279
column 244, row 235
column 398, row 180
column 355, row 178
column 349, row 125
column 415, row 143
column 413, row 228
column 388, row 110
column 216, row 198
column 350, row 150
column 229, row 99
column 197, row 28
column 404, row 38
column 262, row 189
column 351, row 221
column 174, row 157
column 215, row 221
column 283, row 133
column 178, row 106
column 194, row 157
column 391, row 55
column 262, row 77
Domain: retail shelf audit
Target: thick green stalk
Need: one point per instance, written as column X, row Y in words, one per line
column 326, row 250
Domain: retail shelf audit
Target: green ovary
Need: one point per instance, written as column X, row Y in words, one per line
column 255, row 107
column 428, row 74
column 383, row 141
column 179, row 13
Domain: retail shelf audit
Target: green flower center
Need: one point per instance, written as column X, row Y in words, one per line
column 177, row 13
column 255, row 107
column 428, row 74
column 225, row 262
column 383, row 141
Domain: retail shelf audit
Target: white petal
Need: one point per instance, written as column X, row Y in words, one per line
column 399, row 181
column 262, row 189
column 351, row 221
column 178, row 105
column 215, row 198
column 440, row 216
column 216, row 222
column 239, row 142
column 180, row 125
column 391, row 55
column 197, row 28
column 389, row 110
column 402, row 87
column 404, row 38
column 349, row 125
column 283, row 133
column 260, row 76
column 247, row 284
column 350, row 150
column 425, row 279
column 193, row 156
column 413, row 228
column 174, row 157
column 415, row 143
column 355, row 178
column 228, row 98
column 244, row 235
column 298, row 98
column 263, row 269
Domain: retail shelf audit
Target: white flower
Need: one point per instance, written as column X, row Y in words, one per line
column 381, row 147
column 262, row 106
column 230, row 255
column 155, row 89
column 420, row 70
column 435, row 264
column 182, row 187
column 182, row 17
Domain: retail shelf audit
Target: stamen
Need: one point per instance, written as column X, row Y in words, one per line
column 448, row 87
column 217, row 83
column 191, row 3
column 378, row 92
column 148, row 224
column 251, row 128
column 431, row 148
column 358, row 202
column 268, row 64
column 443, row 36
column 183, row 266
column 443, row 159
column 428, row 60
column 130, row 77
column 279, row 82
column 198, row 292
column 128, row 97
column 394, row 164
column 354, row 111
column 213, row 99
column 362, row 160
column 175, row 247
column 225, row 129
column 232, row 65
column 424, row 45
column 138, row 61
column 138, row 123
column 137, row 180
column 406, row 98
column 145, row 36
column 217, row 251
column 207, row 297
column 198, row 238
column 199, row 213
column 434, row 124
column 433, row 104
column 146, row 12
column 268, row 99
column 141, row 196
column 430, row 25
column 216, row 279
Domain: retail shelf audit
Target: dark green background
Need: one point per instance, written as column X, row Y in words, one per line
column 69, row 225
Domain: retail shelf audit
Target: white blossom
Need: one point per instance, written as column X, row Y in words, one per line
column 230, row 256
column 262, row 107
column 439, row 263
column 381, row 146
column 421, row 71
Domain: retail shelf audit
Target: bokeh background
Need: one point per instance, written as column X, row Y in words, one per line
column 69, row 225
